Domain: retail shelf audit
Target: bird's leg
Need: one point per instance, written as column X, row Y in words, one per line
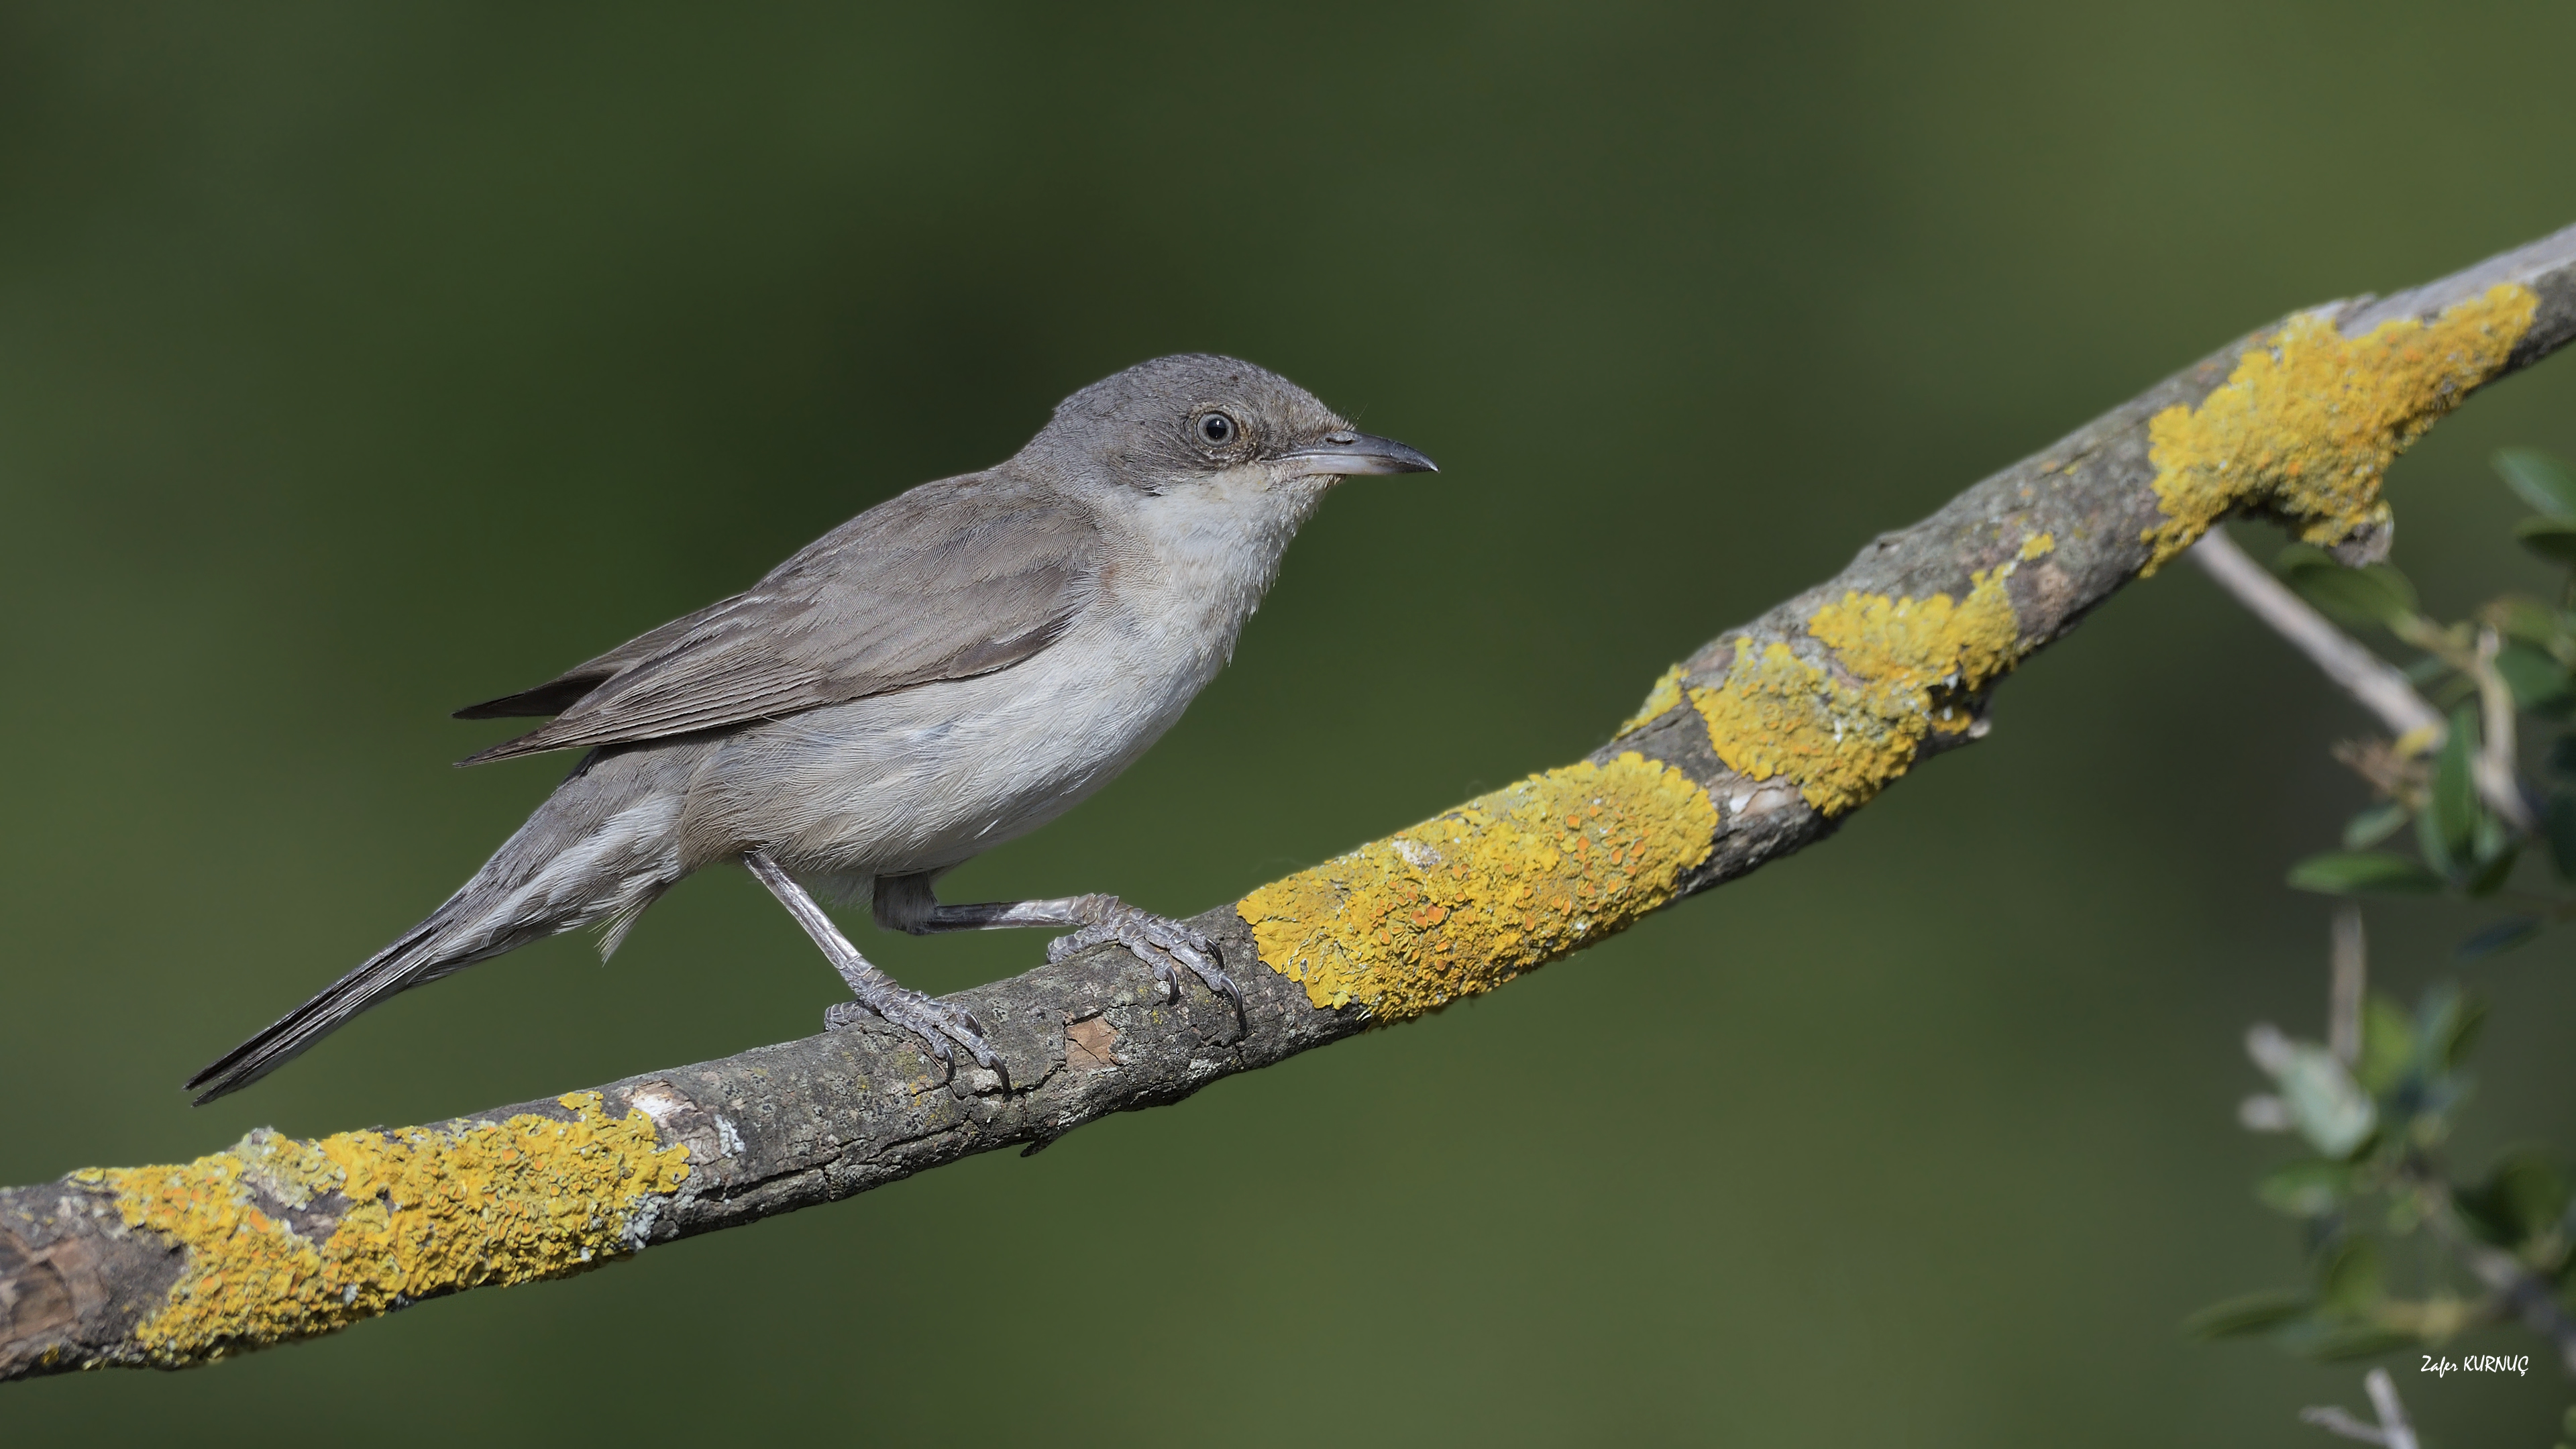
column 907, row 903
column 934, row 1021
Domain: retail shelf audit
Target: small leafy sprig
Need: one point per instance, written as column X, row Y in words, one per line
column 2506, row 674
column 2401, row 1256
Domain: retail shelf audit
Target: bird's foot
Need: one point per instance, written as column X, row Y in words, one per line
column 934, row 1021
column 1165, row 946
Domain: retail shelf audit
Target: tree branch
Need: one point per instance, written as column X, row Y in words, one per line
column 1752, row 748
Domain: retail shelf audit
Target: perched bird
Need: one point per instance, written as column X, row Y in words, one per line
column 953, row 668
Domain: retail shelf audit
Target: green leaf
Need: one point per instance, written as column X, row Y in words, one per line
column 2310, row 1188
column 2538, row 479
column 2375, row 824
column 2519, row 616
column 2491, row 839
column 2498, row 868
column 2522, row 1198
column 2455, row 791
column 2536, row 679
column 2252, row 1313
column 2349, row 1276
column 2552, row 538
column 2360, row 872
column 2463, row 1032
column 2387, row 1044
column 2562, row 754
column 2497, row 938
column 2428, row 841
column 2373, row 594
column 2448, row 1023
column 2359, row 1340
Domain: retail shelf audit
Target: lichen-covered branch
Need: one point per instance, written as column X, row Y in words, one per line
column 1750, row 749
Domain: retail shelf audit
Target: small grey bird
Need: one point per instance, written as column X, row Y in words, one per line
column 951, row 669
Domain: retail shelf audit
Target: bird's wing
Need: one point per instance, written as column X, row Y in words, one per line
column 951, row 580
column 559, row 693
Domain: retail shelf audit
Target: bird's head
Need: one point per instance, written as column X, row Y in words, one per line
column 1195, row 420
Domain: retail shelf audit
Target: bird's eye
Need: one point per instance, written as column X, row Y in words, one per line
column 1217, row 428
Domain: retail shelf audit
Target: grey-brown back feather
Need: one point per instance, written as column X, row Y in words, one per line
column 953, row 579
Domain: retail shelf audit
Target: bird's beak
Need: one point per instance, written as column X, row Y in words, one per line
column 1349, row 453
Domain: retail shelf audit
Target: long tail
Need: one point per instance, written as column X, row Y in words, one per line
column 600, row 850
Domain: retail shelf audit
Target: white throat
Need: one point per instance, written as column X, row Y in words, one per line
column 1195, row 559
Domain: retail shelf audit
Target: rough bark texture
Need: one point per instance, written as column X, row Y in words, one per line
column 805, row 1122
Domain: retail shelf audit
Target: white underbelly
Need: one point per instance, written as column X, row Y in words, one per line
column 925, row 778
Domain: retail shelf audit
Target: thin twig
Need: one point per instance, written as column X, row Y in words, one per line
column 2525, row 1294
column 2517, row 1290
column 2494, row 766
column 2334, row 1420
column 2380, row 686
column 2394, row 1429
column 2351, row 976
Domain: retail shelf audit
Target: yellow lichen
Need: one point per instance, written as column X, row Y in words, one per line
column 1842, row 733
column 2310, row 420
column 1666, row 695
column 1470, row 899
column 427, row 1211
column 1984, row 634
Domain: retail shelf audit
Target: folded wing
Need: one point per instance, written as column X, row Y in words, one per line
column 954, row 579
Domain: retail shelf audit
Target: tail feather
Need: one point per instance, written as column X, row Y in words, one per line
column 599, row 851
column 408, row 962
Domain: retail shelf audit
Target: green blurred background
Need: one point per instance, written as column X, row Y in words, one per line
column 358, row 362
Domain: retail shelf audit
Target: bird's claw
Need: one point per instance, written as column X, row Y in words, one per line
column 1165, row 946
column 934, row 1021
